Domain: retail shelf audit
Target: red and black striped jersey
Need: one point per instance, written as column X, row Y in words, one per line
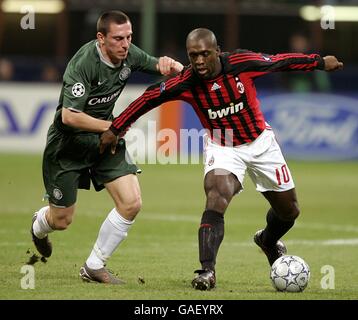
column 227, row 105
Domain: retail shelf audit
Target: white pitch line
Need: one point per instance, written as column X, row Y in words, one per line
column 15, row 244
column 327, row 242
column 170, row 217
column 196, row 218
column 329, row 227
column 305, row 242
column 186, row 218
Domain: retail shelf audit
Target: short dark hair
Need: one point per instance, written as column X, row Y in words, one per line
column 109, row 17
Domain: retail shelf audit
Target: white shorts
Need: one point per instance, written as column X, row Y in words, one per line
column 262, row 159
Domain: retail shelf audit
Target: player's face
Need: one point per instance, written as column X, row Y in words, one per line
column 204, row 58
column 117, row 41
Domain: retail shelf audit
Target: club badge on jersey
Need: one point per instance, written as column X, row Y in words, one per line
column 125, row 73
column 162, row 87
column 239, row 85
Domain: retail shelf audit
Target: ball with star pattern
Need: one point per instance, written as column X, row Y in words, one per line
column 290, row 274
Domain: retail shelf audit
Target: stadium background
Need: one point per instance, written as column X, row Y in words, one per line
column 315, row 119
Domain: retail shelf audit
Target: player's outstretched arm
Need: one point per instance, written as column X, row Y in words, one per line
column 331, row 63
column 168, row 66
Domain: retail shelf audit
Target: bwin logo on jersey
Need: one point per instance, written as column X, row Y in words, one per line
column 231, row 109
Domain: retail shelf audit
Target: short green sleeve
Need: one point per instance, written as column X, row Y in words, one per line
column 76, row 86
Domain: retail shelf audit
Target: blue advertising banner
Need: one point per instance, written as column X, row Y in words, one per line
column 314, row 126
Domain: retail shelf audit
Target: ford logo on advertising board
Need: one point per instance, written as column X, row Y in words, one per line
column 314, row 126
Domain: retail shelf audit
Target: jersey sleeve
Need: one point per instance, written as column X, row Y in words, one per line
column 153, row 97
column 76, row 86
column 143, row 61
column 248, row 61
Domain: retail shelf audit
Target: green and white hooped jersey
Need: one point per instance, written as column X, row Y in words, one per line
column 92, row 85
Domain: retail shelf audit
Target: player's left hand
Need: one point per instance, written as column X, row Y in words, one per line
column 168, row 66
column 331, row 63
column 108, row 138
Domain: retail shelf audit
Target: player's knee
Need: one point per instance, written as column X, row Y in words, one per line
column 62, row 223
column 61, row 218
column 293, row 211
column 131, row 208
column 216, row 201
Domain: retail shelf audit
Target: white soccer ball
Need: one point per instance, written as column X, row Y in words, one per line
column 290, row 273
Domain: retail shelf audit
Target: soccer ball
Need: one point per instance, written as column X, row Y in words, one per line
column 290, row 273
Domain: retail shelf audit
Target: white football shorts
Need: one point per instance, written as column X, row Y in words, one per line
column 262, row 159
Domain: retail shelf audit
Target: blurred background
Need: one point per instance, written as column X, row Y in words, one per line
column 315, row 115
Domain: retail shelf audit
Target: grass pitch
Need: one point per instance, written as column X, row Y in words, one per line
column 160, row 254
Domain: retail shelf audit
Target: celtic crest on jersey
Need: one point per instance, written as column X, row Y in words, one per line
column 57, row 193
column 125, row 73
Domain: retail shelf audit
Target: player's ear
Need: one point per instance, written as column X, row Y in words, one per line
column 100, row 37
column 218, row 49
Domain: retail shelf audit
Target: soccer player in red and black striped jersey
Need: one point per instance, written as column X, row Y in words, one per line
column 220, row 87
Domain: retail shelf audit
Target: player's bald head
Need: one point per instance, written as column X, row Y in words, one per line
column 201, row 34
column 203, row 53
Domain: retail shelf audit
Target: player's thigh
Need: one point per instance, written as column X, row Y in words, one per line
column 61, row 183
column 113, row 166
column 222, row 182
column 219, row 189
column 224, row 164
column 268, row 168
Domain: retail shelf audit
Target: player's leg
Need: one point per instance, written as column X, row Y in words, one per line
column 219, row 190
column 224, row 174
column 281, row 216
column 280, row 219
column 118, row 174
column 47, row 220
column 61, row 192
column 125, row 192
column 270, row 173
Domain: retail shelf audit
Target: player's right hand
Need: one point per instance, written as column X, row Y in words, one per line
column 331, row 63
column 108, row 138
column 168, row 66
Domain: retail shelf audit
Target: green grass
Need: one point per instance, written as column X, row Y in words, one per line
column 162, row 245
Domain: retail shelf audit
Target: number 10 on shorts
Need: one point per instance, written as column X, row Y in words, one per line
column 282, row 175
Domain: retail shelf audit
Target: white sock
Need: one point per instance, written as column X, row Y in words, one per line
column 41, row 227
column 113, row 231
